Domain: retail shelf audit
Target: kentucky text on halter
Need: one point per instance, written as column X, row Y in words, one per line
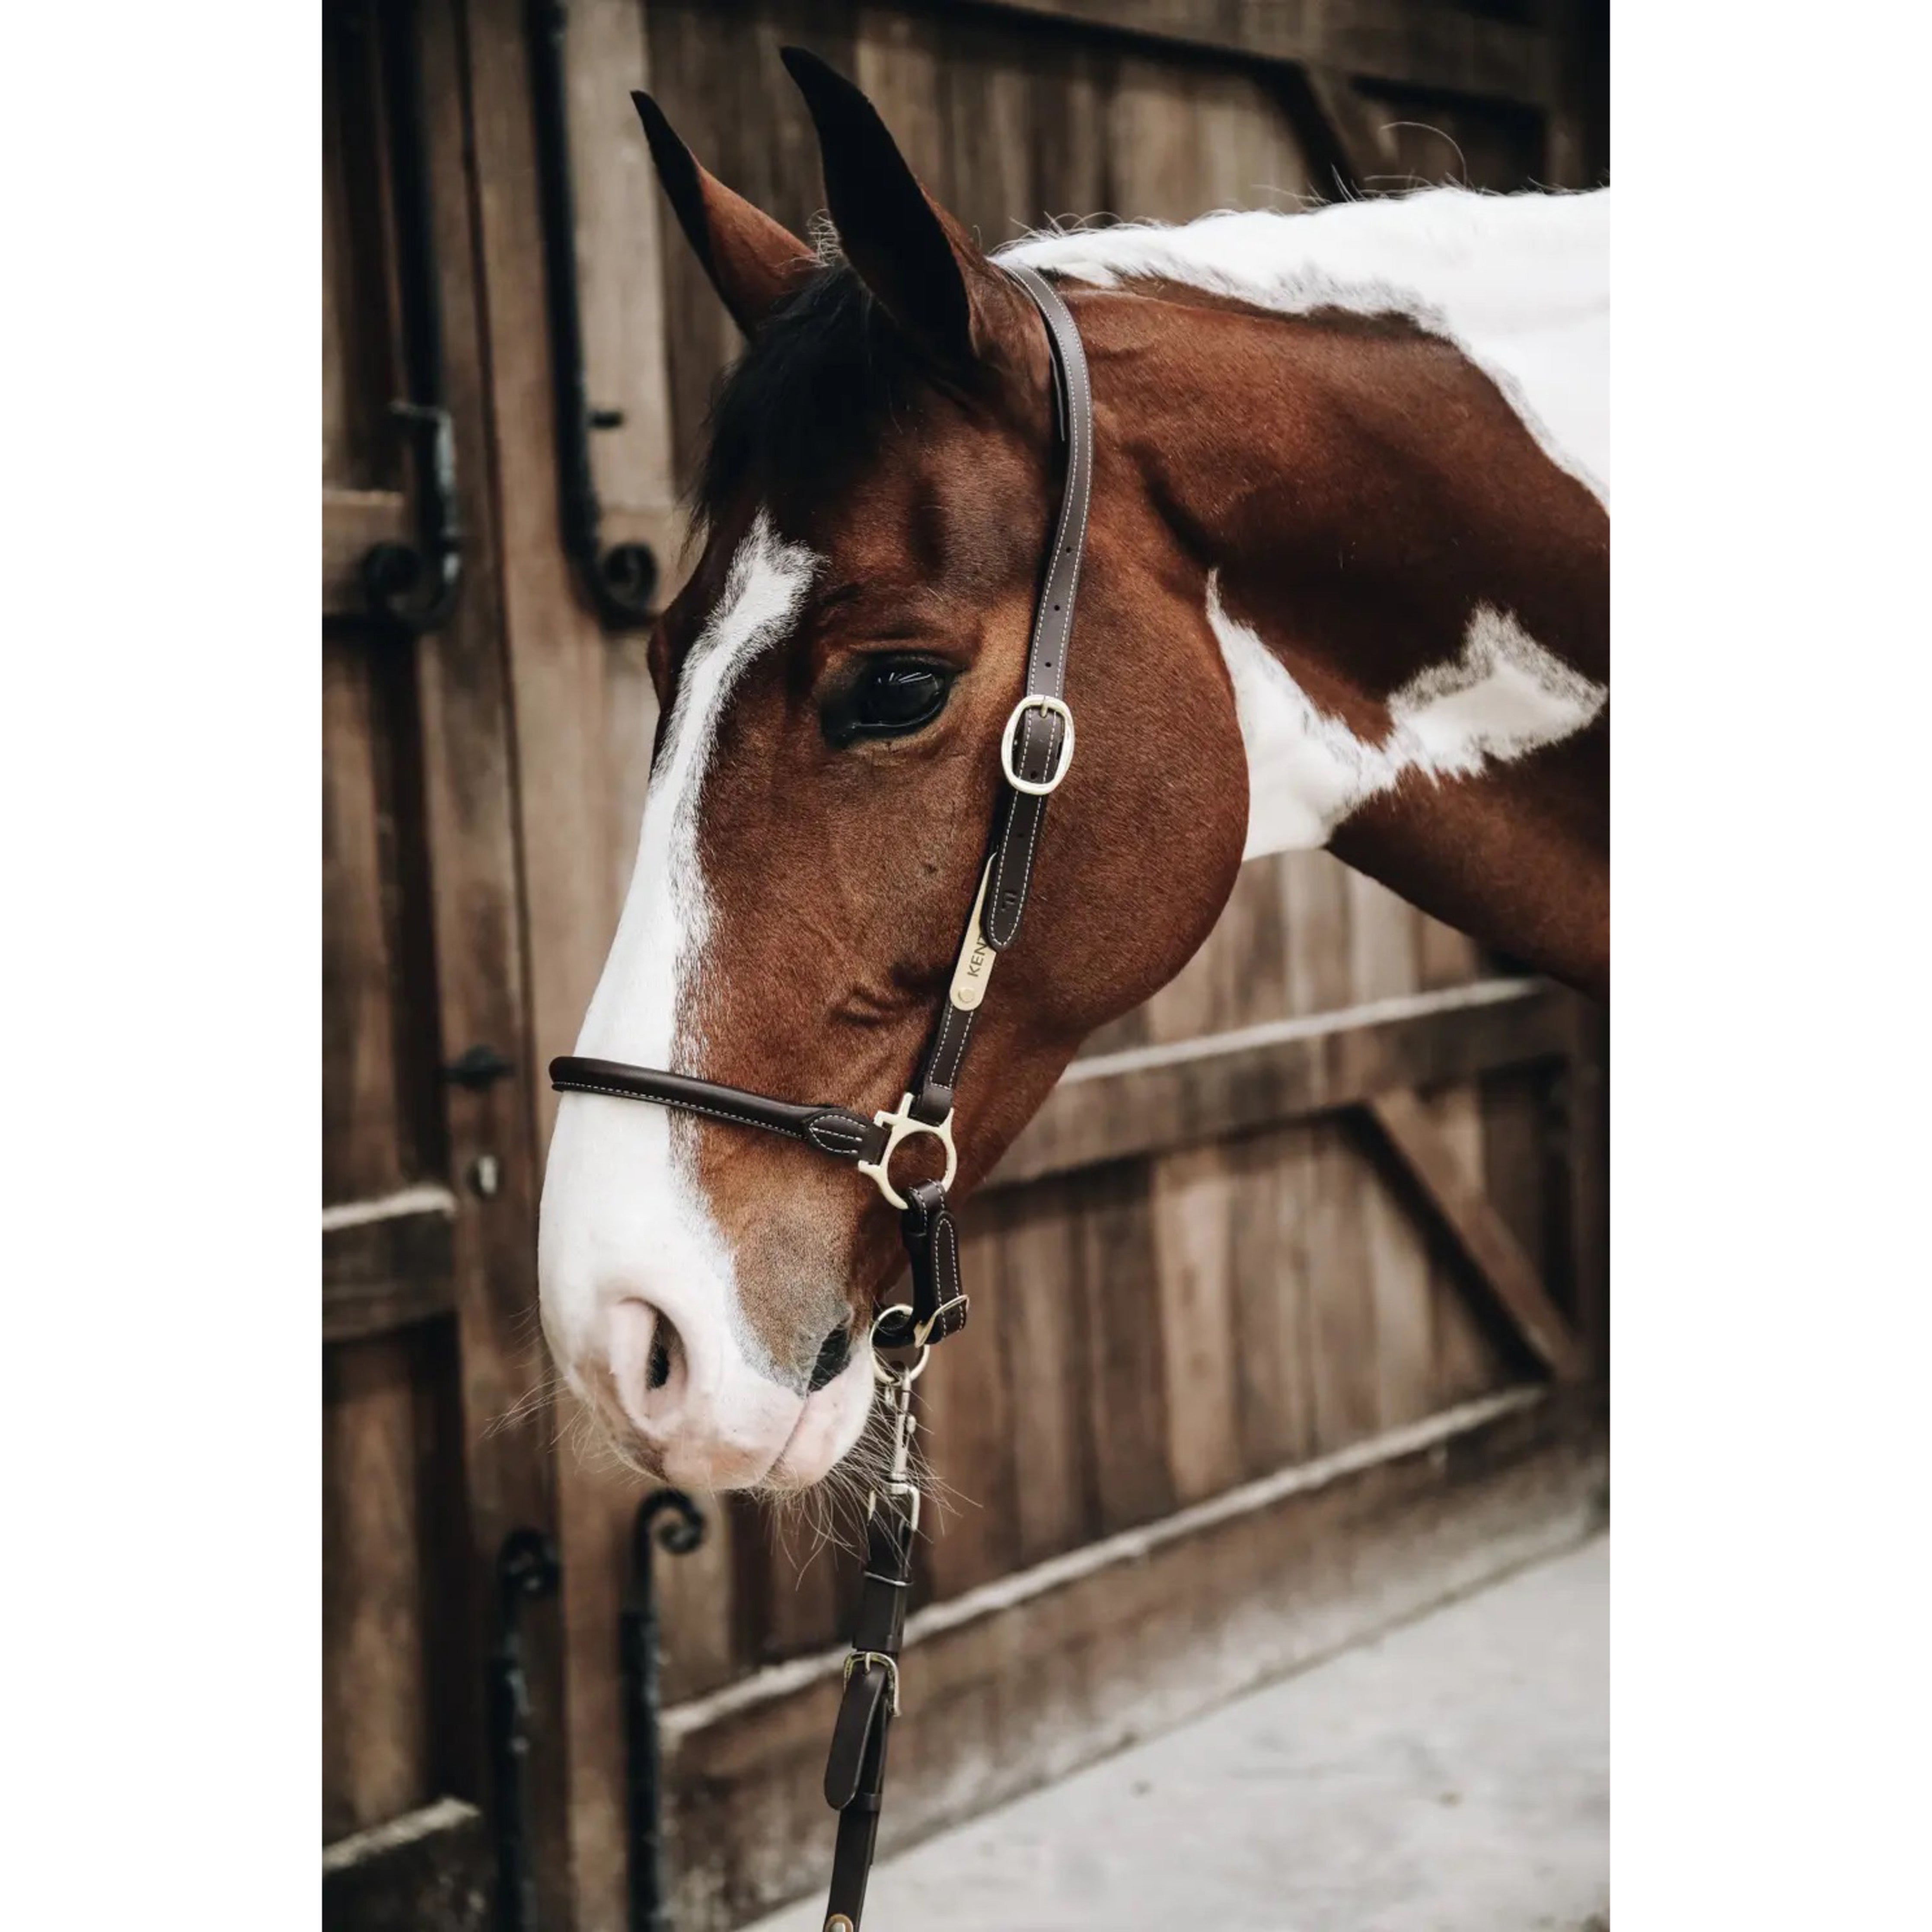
column 1346, row 583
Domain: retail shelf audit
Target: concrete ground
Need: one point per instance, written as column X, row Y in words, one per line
column 1451, row 1776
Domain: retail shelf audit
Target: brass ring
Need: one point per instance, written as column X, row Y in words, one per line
column 882, row 1371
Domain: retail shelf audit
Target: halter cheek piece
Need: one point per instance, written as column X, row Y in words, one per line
column 1036, row 752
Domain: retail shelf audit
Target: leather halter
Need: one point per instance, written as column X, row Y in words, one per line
column 1036, row 752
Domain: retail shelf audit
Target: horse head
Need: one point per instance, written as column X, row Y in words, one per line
column 877, row 505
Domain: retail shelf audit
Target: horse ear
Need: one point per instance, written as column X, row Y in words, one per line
column 931, row 276
column 754, row 261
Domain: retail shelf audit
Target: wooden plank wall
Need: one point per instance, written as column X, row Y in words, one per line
column 380, row 1394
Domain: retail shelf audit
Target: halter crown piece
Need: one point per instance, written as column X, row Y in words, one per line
column 1036, row 752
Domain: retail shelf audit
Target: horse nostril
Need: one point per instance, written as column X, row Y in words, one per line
column 648, row 1359
column 833, row 1355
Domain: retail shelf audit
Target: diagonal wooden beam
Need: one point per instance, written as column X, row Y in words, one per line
column 1158, row 1099
column 1466, row 1213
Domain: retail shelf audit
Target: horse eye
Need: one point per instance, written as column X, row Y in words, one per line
column 893, row 696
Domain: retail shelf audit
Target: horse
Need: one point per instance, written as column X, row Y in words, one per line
column 1346, row 585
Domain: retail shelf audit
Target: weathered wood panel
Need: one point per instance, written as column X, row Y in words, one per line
column 1144, row 1100
column 1432, row 1163
column 378, row 1129
column 473, row 781
column 353, row 522
column 428, row 1284
column 375, row 1701
column 555, row 684
column 388, row 1265
column 1466, row 1361
column 1437, row 47
column 1429, row 140
column 380, row 1132
column 429, row 1871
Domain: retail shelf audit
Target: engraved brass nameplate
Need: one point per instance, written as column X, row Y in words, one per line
column 975, row 967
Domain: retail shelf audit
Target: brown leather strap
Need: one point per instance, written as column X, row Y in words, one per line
column 836, row 1131
column 1040, row 736
column 855, row 1770
column 868, row 1689
column 939, row 1303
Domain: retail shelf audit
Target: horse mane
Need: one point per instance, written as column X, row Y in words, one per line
column 810, row 398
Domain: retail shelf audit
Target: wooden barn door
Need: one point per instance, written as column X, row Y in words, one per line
column 429, row 1169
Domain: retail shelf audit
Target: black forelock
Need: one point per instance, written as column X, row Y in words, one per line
column 813, row 395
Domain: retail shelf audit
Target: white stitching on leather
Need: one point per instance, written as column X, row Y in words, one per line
column 959, row 1051
column 949, row 1230
column 823, row 1134
column 943, row 1066
column 687, row 1107
column 1033, row 845
column 944, row 1062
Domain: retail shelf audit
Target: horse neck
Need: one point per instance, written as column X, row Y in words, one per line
column 1404, row 560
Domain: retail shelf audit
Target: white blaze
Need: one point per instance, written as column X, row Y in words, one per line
column 615, row 1192
column 635, row 1013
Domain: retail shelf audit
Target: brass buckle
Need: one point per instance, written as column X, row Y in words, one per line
column 1055, row 706
column 869, row 1658
column 903, row 1126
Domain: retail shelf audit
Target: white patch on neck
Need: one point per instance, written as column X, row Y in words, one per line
column 1502, row 698
column 616, row 1194
column 1518, row 282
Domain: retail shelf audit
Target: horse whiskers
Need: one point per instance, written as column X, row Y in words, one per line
column 832, row 1513
column 579, row 1430
column 549, row 1390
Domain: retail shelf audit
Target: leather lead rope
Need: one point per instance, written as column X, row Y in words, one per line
column 1036, row 752
column 855, row 1770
